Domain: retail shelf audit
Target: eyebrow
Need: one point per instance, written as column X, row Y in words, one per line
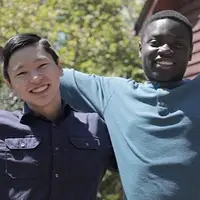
column 177, row 36
column 39, row 59
column 20, row 66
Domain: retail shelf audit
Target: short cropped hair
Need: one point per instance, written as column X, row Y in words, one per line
column 20, row 41
column 168, row 14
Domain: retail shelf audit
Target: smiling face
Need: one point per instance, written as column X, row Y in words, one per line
column 165, row 50
column 34, row 76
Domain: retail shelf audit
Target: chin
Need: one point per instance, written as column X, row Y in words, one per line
column 40, row 102
column 166, row 77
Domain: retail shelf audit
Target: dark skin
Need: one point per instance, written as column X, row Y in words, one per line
column 165, row 51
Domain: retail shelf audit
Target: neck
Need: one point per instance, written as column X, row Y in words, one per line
column 51, row 111
column 167, row 84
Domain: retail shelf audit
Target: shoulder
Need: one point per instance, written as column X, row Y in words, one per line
column 10, row 119
column 7, row 116
column 70, row 74
column 87, row 118
column 92, row 120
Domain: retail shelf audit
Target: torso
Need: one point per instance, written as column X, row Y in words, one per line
column 156, row 136
column 40, row 160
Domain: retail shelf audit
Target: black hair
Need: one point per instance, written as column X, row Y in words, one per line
column 20, row 41
column 168, row 14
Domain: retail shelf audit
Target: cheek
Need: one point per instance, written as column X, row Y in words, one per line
column 152, row 53
column 148, row 58
column 19, row 89
column 56, row 74
column 182, row 58
column 149, row 53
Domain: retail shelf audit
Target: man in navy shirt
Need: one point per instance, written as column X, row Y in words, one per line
column 49, row 150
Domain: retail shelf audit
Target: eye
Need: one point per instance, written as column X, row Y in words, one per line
column 42, row 65
column 154, row 43
column 178, row 45
column 21, row 74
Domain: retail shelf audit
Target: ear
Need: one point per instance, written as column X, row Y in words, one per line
column 140, row 49
column 190, row 53
column 1, row 51
column 60, row 68
column 8, row 83
column 10, row 87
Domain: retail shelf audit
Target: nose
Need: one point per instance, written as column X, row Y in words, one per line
column 165, row 50
column 35, row 77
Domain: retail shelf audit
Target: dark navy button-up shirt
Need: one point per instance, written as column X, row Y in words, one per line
column 41, row 160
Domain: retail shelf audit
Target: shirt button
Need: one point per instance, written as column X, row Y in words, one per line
column 162, row 104
column 87, row 144
column 57, row 148
column 56, row 175
column 22, row 144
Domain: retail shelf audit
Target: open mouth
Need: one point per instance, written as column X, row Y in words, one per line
column 40, row 89
column 164, row 64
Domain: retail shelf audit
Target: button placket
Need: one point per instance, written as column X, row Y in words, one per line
column 161, row 104
column 56, row 147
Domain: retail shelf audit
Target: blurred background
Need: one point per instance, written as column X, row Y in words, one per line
column 93, row 36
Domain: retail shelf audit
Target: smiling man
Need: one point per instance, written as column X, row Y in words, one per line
column 154, row 127
column 47, row 151
column 165, row 49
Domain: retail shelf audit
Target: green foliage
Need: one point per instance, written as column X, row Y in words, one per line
column 111, row 187
column 89, row 35
column 8, row 100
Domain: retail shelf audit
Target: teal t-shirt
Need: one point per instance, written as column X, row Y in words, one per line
column 155, row 132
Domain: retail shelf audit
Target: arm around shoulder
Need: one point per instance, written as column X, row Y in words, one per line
column 86, row 92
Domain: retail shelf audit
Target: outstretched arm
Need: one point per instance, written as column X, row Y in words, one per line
column 86, row 92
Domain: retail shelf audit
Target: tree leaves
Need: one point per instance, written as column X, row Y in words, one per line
column 92, row 36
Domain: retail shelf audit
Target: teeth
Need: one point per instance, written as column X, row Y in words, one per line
column 165, row 63
column 40, row 89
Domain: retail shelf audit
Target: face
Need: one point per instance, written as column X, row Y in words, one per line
column 165, row 50
column 34, row 76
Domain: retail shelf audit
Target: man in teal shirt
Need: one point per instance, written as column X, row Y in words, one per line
column 155, row 126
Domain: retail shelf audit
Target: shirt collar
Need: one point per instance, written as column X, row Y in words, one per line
column 169, row 85
column 28, row 114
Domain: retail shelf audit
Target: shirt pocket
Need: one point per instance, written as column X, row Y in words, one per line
column 85, row 157
column 22, row 157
